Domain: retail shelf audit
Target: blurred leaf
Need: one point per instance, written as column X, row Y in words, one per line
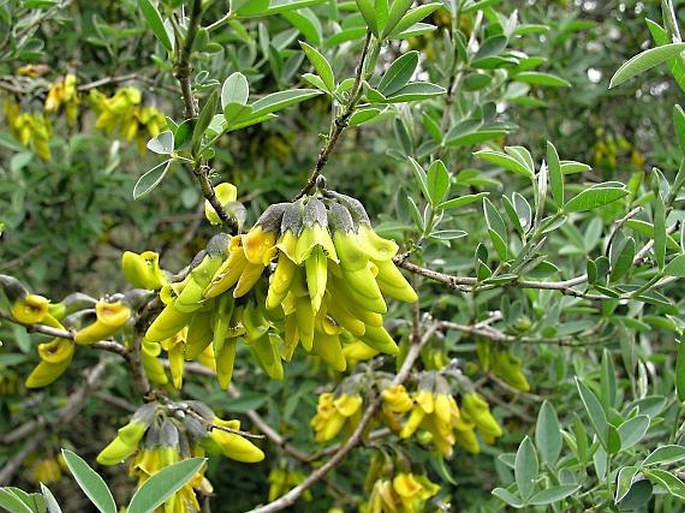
column 541, row 79
column 154, row 20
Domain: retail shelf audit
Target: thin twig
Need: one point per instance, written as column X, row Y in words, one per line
column 182, row 71
column 75, row 403
column 340, row 123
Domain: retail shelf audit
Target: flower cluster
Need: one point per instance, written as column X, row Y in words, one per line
column 324, row 293
column 435, row 411
column 282, row 478
column 497, row 358
column 64, row 93
column 89, row 320
column 124, row 114
column 31, row 129
column 333, row 413
column 158, row 436
column 404, row 493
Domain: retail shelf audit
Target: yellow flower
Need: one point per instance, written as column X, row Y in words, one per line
column 476, row 410
column 332, row 414
column 232, row 445
column 31, row 309
column 143, row 270
column 226, row 193
column 110, row 318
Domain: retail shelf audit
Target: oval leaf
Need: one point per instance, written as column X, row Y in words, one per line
column 90, row 482
column 163, row 485
column 150, row 179
column 644, row 61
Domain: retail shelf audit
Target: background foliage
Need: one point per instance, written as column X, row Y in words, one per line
column 599, row 353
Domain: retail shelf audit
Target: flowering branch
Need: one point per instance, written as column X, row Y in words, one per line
column 182, row 70
column 355, row 439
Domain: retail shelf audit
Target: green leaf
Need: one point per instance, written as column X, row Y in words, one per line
column 594, row 197
column 308, row 23
column 665, row 455
column 438, row 182
column 476, row 81
column 471, row 138
column 676, row 267
column 680, row 372
column 364, row 115
column 398, row 74
column 163, row 144
column 50, row 501
column 321, row 65
column 162, row 485
column 644, row 61
column 90, row 482
column 569, row 167
column 661, row 37
column 665, row 479
column 607, row 380
column 421, row 178
column 151, row 179
column 541, row 79
column 508, row 497
column 205, row 118
column 397, row 10
column 281, row 99
column 466, row 199
column 679, row 125
column 632, row 430
column 639, row 494
column 594, row 409
column 506, row 161
column 548, row 434
column 613, row 439
column 622, row 259
column 368, row 10
column 552, row 494
column 154, row 20
column 624, row 481
column 556, row 175
column 246, row 402
column 12, row 503
column 448, row 234
column 526, row 468
column 412, row 17
column 659, row 230
column 235, row 90
column 497, row 230
column 416, row 91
